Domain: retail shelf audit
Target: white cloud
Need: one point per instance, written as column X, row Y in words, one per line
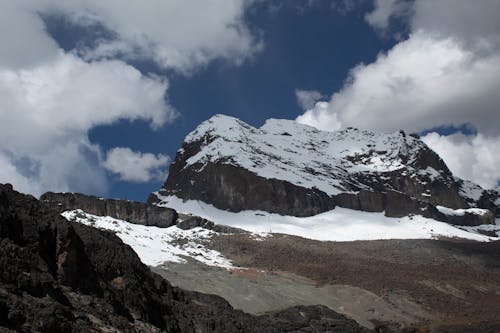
column 10, row 174
column 469, row 157
column 68, row 96
column 421, row 83
column 446, row 73
column 47, row 111
column 23, row 39
column 320, row 117
column 475, row 23
column 136, row 166
column 307, row 98
column 50, row 99
column 384, row 10
column 176, row 34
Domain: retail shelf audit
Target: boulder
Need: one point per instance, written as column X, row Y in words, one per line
column 471, row 219
column 190, row 222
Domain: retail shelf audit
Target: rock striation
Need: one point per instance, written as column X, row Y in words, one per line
column 131, row 211
column 292, row 169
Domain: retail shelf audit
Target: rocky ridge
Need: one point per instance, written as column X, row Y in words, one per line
column 292, row 169
column 58, row 276
column 131, row 211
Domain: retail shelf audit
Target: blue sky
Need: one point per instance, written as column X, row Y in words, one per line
column 382, row 65
column 300, row 52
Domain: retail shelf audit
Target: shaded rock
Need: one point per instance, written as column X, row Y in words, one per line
column 488, row 201
column 471, row 219
column 363, row 200
column 399, row 204
column 235, row 189
column 191, row 222
column 131, row 211
column 58, row 276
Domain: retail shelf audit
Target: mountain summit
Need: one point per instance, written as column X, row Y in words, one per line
column 293, row 169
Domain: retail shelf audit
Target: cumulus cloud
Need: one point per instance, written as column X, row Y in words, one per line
column 446, row 73
column 469, row 157
column 50, row 99
column 307, row 98
column 136, row 166
column 23, row 39
column 47, row 111
column 176, row 34
column 384, row 10
column 420, row 83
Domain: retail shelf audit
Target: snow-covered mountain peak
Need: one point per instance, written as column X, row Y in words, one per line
column 301, row 154
column 293, row 169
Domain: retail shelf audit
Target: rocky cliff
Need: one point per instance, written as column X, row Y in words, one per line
column 58, row 276
column 293, row 169
column 131, row 211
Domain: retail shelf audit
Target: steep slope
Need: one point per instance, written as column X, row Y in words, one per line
column 293, row 169
column 58, row 276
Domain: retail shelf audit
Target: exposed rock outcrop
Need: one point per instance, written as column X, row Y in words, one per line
column 190, row 222
column 131, row 211
column 63, row 277
column 57, row 276
column 235, row 189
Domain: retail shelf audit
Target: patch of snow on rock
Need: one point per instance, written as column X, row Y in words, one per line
column 154, row 245
column 302, row 155
column 462, row 212
column 340, row 224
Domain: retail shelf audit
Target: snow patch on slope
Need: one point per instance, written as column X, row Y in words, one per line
column 154, row 245
column 340, row 224
column 301, row 154
column 469, row 190
column 462, row 212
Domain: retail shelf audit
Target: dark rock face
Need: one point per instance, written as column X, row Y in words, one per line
column 196, row 221
column 133, row 212
column 470, row 219
column 400, row 204
column 57, row 276
column 235, row 189
column 367, row 201
column 487, row 201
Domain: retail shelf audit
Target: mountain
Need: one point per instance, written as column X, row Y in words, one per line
column 294, row 230
column 57, row 276
column 293, row 169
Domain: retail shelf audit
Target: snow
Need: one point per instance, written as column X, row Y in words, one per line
column 340, row 224
column 486, row 227
column 301, row 154
column 461, row 212
column 469, row 190
column 430, row 172
column 154, row 245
